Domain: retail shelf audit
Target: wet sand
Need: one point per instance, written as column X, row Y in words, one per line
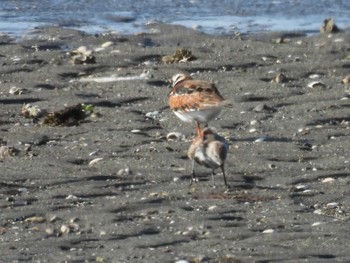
column 288, row 164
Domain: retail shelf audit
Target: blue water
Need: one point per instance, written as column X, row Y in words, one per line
column 19, row 17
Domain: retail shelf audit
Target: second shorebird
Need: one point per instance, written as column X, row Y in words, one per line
column 210, row 150
column 195, row 100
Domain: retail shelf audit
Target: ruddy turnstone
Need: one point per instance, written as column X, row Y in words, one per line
column 210, row 150
column 195, row 100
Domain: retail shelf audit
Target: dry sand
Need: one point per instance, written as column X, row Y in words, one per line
column 288, row 164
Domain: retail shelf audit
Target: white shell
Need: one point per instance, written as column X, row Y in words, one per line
column 313, row 84
column 173, row 136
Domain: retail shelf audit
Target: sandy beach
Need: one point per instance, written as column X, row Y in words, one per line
column 112, row 186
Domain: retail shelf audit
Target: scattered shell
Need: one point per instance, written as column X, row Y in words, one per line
column 175, row 136
column 346, row 80
column 82, row 56
column 254, row 122
column 262, row 107
column 261, row 139
column 32, row 111
column 317, row 224
column 16, row 91
column 35, row 219
column 315, row 76
column 181, row 55
column 332, row 205
column 268, row 231
column 153, row 115
column 107, row 44
column 279, row 78
column 93, row 153
column 94, row 161
column 64, row 229
column 304, row 130
column 328, row 180
column 329, row 26
column 272, row 166
column 315, row 84
column 136, row 131
column 124, row 171
column 253, row 130
column 8, row 151
column 71, row 197
column 211, row 208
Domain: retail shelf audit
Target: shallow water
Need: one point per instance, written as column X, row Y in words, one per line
column 94, row 16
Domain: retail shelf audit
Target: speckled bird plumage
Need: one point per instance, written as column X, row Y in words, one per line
column 210, row 150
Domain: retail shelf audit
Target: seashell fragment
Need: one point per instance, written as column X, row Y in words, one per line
column 35, row 219
column 181, row 55
column 107, row 44
column 16, row 91
column 32, row 111
column 346, row 80
column 94, row 161
column 328, row 180
column 332, row 205
column 82, row 55
column 315, row 76
column 8, row 151
column 268, row 231
column 175, row 136
column 279, row 78
column 261, row 139
column 153, row 115
column 315, row 84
